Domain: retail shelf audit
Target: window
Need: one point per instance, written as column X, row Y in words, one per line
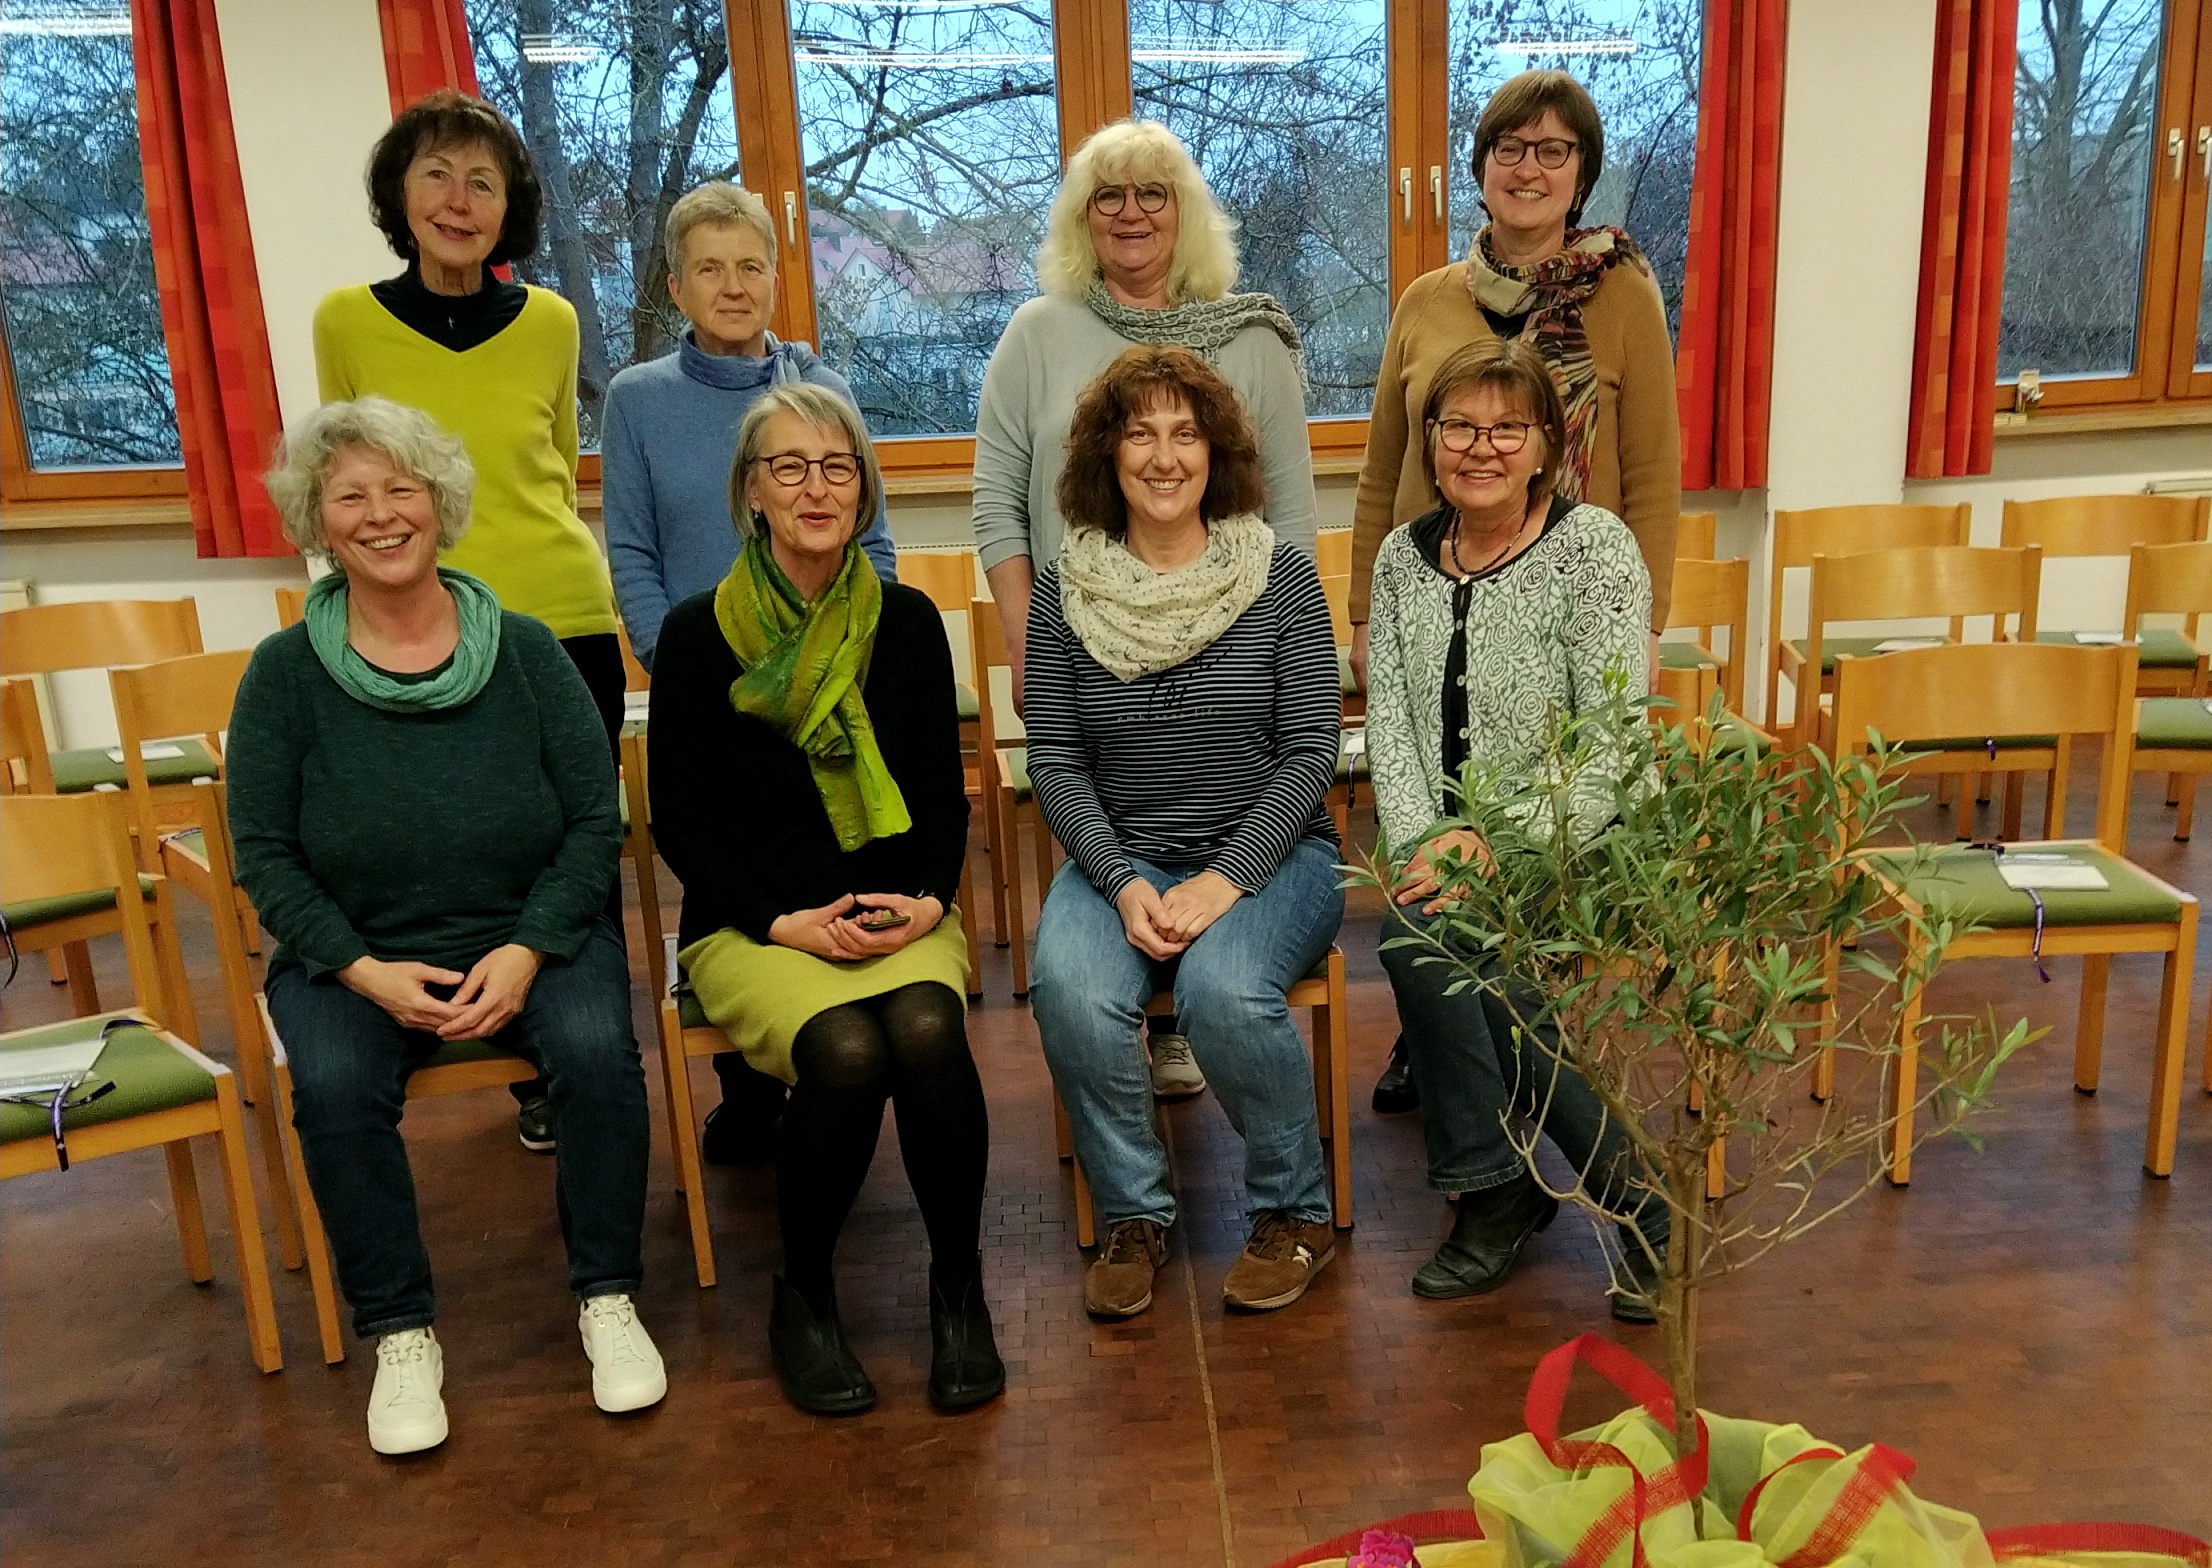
column 83, row 314
column 2105, row 276
column 1283, row 103
column 625, row 107
column 931, row 150
column 1640, row 60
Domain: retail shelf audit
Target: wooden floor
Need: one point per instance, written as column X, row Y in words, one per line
column 2033, row 1323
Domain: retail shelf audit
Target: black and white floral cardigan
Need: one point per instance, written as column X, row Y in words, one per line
column 1542, row 632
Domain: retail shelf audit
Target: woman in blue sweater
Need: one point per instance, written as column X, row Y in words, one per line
column 1183, row 731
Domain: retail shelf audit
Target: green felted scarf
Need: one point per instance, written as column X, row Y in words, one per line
column 459, row 681
column 804, row 667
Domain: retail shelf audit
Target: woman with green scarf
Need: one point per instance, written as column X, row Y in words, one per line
column 807, row 789
column 423, row 804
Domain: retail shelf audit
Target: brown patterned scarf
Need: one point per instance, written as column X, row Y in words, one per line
column 1551, row 295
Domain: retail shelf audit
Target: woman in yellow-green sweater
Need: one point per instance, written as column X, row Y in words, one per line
column 456, row 193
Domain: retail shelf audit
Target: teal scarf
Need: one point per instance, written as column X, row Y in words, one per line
column 459, row 681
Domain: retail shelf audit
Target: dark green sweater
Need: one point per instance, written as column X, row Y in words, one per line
column 435, row 836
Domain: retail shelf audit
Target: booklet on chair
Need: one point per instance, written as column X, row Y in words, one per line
column 2050, row 873
column 43, row 1061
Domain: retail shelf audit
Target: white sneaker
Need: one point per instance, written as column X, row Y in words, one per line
column 626, row 1369
column 1175, row 1074
column 406, row 1410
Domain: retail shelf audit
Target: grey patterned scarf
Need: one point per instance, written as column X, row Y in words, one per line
column 1137, row 621
column 1204, row 326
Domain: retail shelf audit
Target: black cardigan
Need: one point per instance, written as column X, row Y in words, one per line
column 735, row 810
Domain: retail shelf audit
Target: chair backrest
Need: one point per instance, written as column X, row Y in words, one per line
column 2106, row 524
column 986, row 652
column 2022, row 688
column 1709, row 593
column 1332, row 552
column 23, row 761
column 1696, row 536
column 1847, row 530
column 188, row 696
column 2168, row 579
column 291, row 606
column 947, row 576
column 96, row 633
column 54, row 845
column 1951, row 581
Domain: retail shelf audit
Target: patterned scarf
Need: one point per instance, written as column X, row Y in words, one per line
column 1138, row 621
column 473, row 657
column 1552, row 294
column 1204, row 326
column 804, row 667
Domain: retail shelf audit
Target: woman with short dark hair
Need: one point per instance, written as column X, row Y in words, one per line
column 452, row 187
column 1183, row 731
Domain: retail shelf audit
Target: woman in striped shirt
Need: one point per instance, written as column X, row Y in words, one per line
column 1183, row 727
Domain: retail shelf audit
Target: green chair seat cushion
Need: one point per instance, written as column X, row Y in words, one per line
column 1962, row 882
column 1734, row 731
column 1347, row 681
column 963, row 697
column 1017, row 770
column 688, row 1011
column 2156, row 647
column 1980, row 743
column 2174, row 723
column 1833, row 648
column 26, row 913
column 455, row 1052
column 1680, row 655
column 149, row 1075
column 91, row 766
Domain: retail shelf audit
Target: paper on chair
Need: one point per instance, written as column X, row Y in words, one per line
column 2100, row 639
column 1906, row 644
column 151, row 751
column 45, row 1068
column 2056, row 874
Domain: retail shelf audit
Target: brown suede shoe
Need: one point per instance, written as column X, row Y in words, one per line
column 1279, row 1262
column 1118, row 1284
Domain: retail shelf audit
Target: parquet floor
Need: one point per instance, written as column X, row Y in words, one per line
column 2033, row 1323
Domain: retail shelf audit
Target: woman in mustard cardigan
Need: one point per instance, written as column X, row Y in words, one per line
column 455, row 192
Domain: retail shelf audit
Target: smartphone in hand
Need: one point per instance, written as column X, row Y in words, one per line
column 881, row 919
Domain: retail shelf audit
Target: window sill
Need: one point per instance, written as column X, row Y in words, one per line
column 168, row 513
column 2159, row 416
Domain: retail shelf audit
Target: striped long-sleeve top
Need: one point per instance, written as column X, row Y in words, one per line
column 1220, row 763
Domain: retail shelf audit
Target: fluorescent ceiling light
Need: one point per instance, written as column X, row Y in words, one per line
column 548, row 49
column 1181, row 56
column 917, row 60
column 1620, row 46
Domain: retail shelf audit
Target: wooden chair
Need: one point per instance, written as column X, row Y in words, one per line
column 56, row 850
column 2074, row 526
column 1334, row 558
column 1322, row 990
column 1696, row 537
column 1008, row 803
column 2173, row 734
column 948, row 578
column 1709, row 595
column 1951, row 583
column 291, row 606
column 1839, row 530
column 99, row 634
column 2030, row 688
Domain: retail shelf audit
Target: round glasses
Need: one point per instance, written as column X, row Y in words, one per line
column 1506, row 437
column 1551, row 153
column 790, row 469
column 1108, row 200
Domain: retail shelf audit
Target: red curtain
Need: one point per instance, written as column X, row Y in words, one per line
column 1724, row 368
column 1962, row 239
column 426, row 47
column 211, row 318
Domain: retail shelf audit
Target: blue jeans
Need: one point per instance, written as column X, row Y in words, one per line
column 350, row 1064
column 1088, row 990
column 1473, row 1069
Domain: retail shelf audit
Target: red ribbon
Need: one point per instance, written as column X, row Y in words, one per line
column 2043, row 1540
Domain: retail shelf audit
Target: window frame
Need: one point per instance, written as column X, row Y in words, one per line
column 2165, row 376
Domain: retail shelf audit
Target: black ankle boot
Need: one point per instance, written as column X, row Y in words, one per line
column 1488, row 1235
column 1394, row 1091
column 1641, row 1275
column 818, row 1370
column 964, row 1368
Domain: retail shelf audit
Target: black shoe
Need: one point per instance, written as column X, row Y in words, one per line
column 1394, row 1091
column 1642, row 1278
column 964, row 1368
column 534, row 1125
column 818, row 1370
column 1488, row 1235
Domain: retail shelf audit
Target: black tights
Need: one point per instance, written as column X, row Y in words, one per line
column 909, row 1046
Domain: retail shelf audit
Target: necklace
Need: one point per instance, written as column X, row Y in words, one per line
column 1498, row 555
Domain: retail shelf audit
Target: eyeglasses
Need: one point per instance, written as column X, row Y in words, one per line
column 790, row 469
column 1108, row 200
column 1506, row 437
column 1552, row 152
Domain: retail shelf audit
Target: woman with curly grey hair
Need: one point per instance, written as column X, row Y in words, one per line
column 424, row 810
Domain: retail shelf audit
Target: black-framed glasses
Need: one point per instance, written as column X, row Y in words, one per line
column 1506, row 437
column 56, row 1101
column 1552, row 152
column 789, row 469
column 1108, row 200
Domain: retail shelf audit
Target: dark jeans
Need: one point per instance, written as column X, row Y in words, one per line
column 1473, row 1070
column 350, row 1064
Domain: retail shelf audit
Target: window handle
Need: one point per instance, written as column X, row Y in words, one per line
column 1436, row 190
column 2174, row 148
column 791, row 217
column 2204, row 150
column 1405, row 193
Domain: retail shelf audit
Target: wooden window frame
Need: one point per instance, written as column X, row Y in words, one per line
column 2165, row 377
column 31, row 493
